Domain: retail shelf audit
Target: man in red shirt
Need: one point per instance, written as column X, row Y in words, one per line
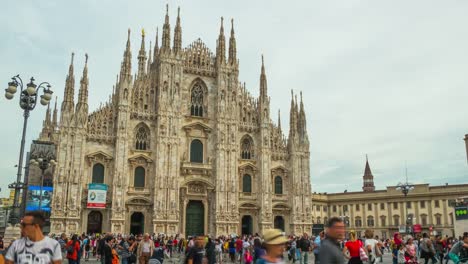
column 239, row 249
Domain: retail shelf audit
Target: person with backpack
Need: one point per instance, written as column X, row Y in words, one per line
column 72, row 248
column 86, row 247
column 427, row 249
column 459, row 252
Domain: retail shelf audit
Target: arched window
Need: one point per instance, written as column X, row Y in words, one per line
column 319, row 221
column 196, row 151
column 383, row 220
column 142, row 138
column 424, row 219
column 358, row 222
column 278, row 185
column 196, row 108
column 139, row 177
column 247, row 183
column 247, row 150
column 98, row 173
column 396, row 220
column 370, row 221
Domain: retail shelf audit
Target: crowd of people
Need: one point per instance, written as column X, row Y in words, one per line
column 332, row 246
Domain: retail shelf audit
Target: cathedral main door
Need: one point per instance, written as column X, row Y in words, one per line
column 246, row 225
column 94, row 222
column 137, row 223
column 279, row 223
column 195, row 219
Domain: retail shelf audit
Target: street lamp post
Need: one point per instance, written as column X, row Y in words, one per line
column 43, row 164
column 405, row 188
column 27, row 101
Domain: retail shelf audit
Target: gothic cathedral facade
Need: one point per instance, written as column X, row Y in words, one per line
column 183, row 148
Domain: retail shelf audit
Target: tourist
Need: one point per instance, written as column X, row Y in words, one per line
column 210, row 251
column 145, row 249
column 304, row 248
column 427, row 249
column 274, row 243
column 123, row 249
column 353, row 246
column 317, row 244
column 33, row 243
column 86, row 247
column 394, row 246
column 196, row 253
column 411, row 251
column 440, row 247
column 232, row 249
column 330, row 252
column 401, row 259
column 372, row 246
column 73, row 248
column 259, row 251
column 219, row 250
column 459, row 251
column 106, row 249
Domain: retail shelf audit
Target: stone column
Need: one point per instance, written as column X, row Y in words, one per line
column 430, row 216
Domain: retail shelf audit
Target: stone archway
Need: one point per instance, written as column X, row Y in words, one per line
column 279, row 222
column 94, row 222
column 247, row 225
column 137, row 223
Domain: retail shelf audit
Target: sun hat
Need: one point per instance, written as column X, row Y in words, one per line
column 274, row 237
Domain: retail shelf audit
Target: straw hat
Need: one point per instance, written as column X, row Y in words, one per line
column 274, row 237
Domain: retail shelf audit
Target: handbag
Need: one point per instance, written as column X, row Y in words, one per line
column 363, row 255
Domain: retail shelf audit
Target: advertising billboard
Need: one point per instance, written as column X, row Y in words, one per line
column 34, row 198
column 97, row 195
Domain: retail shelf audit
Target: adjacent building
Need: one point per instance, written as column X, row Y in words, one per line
column 425, row 209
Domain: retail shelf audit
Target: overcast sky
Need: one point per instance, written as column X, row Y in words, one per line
column 383, row 78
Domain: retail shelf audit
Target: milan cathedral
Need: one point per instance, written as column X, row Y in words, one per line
column 182, row 146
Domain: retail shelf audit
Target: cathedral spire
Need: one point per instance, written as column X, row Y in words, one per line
column 177, row 34
column 47, row 120
column 263, row 83
column 142, row 56
column 232, row 46
column 55, row 117
column 279, row 119
column 302, row 119
column 83, row 93
column 368, row 178
column 149, row 59
column 221, row 47
column 126, row 68
column 156, row 45
column 166, row 36
column 292, row 118
column 68, row 97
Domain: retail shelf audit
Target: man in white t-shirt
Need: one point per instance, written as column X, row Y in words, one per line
column 34, row 247
column 372, row 246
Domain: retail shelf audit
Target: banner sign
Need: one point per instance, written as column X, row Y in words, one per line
column 36, row 198
column 97, row 195
column 461, row 212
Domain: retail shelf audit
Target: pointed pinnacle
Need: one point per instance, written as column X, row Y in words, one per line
column 232, row 26
column 72, row 57
column 221, row 30
column 86, row 58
